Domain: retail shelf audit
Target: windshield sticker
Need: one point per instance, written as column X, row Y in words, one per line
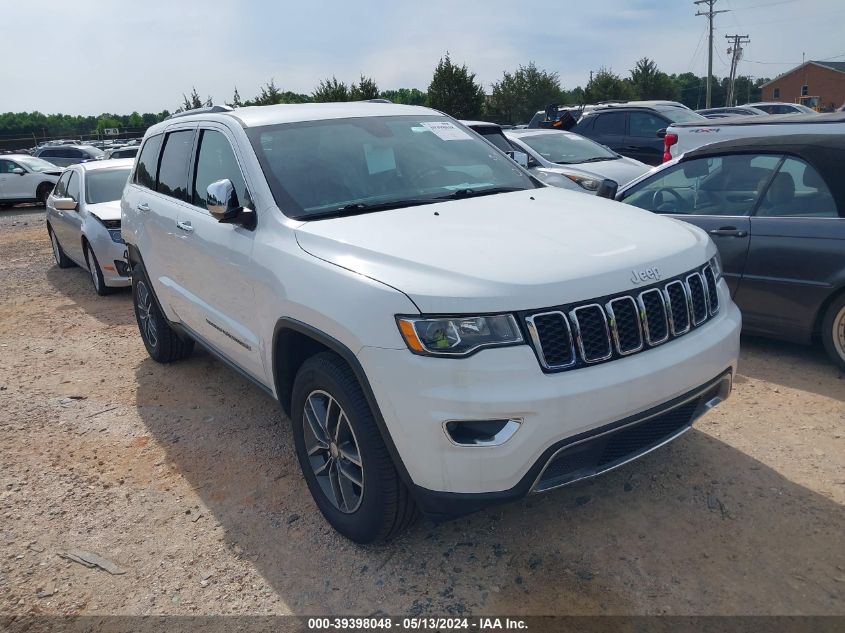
column 379, row 159
column 446, row 131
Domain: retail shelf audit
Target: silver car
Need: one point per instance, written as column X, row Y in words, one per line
column 83, row 220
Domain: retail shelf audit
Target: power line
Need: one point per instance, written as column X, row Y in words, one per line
column 710, row 13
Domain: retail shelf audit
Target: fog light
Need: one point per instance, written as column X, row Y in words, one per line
column 481, row 432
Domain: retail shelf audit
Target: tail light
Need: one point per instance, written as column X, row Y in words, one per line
column 668, row 141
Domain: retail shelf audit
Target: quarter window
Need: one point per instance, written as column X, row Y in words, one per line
column 173, row 168
column 216, row 161
column 797, row 191
column 610, row 124
column 145, row 173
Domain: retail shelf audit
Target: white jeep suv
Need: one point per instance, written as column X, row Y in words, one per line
column 444, row 331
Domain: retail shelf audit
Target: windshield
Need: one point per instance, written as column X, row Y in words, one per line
column 36, row 164
column 495, row 136
column 681, row 115
column 317, row 167
column 566, row 149
column 105, row 185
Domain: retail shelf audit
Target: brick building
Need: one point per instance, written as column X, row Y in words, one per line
column 819, row 85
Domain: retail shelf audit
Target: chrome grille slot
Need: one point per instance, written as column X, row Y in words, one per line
column 698, row 298
column 679, row 310
column 552, row 339
column 591, row 332
column 655, row 321
column 625, row 325
column 712, row 291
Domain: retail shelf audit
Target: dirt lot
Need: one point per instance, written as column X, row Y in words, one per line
column 185, row 477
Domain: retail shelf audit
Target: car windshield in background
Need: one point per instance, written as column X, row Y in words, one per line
column 335, row 166
column 105, row 185
column 495, row 136
column 567, row 149
column 681, row 115
column 36, row 164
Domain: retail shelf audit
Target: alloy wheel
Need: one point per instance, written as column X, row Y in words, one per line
column 333, row 451
column 144, row 305
column 839, row 332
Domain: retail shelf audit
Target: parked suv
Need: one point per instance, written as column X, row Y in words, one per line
column 634, row 131
column 443, row 331
column 26, row 179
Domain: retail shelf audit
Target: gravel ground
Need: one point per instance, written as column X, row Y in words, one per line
column 185, row 477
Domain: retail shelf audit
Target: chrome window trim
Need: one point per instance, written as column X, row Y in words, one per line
column 614, row 330
column 573, row 314
column 689, row 295
column 675, row 331
column 538, row 345
column 644, row 316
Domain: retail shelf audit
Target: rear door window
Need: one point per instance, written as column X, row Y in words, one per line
column 646, row 125
column 146, row 172
column 798, row 190
column 610, row 124
column 175, row 160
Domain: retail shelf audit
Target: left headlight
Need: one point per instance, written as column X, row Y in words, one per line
column 585, row 182
column 458, row 335
column 716, row 264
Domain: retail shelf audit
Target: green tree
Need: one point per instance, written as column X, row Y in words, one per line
column 453, row 90
column 191, row 102
column 649, row 82
column 519, row 95
column 331, row 90
column 406, row 96
column 608, row 86
column 366, row 88
column 236, row 100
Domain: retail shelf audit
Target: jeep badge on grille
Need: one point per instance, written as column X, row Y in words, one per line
column 647, row 274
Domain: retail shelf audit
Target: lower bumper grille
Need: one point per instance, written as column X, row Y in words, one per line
column 607, row 450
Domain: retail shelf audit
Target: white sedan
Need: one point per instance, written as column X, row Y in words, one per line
column 83, row 220
column 25, row 178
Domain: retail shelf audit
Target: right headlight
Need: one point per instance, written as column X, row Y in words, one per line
column 458, row 335
column 716, row 264
column 585, row 182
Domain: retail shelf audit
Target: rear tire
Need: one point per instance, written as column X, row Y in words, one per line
column 62, row 260
column 833, row 331
column 163, row 344
column 96, row 273
column 345, row 462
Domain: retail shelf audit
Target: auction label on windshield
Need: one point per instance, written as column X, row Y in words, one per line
column 446, row 130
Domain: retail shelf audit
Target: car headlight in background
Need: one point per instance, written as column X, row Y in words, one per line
column 585, row 182
column 458, row 335
column 716, row 264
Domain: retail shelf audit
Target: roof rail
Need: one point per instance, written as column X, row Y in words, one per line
column 214, row 108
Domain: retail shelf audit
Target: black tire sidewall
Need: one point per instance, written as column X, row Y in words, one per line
column 91, row 259
column 827, row 331
column 139, row 276
column 366, row 524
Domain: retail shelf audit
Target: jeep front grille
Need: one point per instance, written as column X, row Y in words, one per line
column 568, row 337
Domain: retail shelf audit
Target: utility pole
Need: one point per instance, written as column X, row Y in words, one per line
column 736, row 52
column 709, row 13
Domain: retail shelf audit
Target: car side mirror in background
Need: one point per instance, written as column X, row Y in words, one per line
column 64, row 204
column 521, row 158
column 19, row 171
column 222, row 202
column 661, row 133
column 608, row 189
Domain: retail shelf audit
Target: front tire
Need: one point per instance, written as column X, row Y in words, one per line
column 833, row 331
column 62, row 260
column 96, row 273
column 43, row 193
column 163, row 344
column 343, row 457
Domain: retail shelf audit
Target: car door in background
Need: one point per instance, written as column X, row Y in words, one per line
column 607, row 128
column 796, row 256
column 717, row 194
column 9, row 186
column 642, row 143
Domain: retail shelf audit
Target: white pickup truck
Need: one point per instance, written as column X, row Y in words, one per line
column 683, row 137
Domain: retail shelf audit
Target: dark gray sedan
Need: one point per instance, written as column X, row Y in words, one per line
column 775, row 207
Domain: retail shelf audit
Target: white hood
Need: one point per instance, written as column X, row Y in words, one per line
column 522, row 250
column 106, row 210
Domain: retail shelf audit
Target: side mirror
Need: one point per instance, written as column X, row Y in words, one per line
column 64, row 204
column 607, row 189
column 521, row 159
column 20, row 171
column 222, row 202
column 661, row 133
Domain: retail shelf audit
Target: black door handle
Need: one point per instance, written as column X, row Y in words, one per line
column 728, row 231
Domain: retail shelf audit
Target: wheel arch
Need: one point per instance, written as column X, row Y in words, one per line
column 293, row 343
column 822, row 311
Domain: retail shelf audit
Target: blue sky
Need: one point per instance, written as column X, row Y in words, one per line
column 91, row 56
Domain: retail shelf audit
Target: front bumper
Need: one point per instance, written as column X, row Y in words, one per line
column 417, row 394
column 110, row 254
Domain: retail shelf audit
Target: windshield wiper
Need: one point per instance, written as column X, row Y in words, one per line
column 357, row 208
column 460, row 194
column 598, row 159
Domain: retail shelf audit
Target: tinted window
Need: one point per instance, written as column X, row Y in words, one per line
column 60, row 190
column 797, row 191
column 721, row 185
column 173, row 168
column 216, row 161
column 495, row 136
column 145, row 174
column 645, row 124
column 49, row 152
column 104, row 185
column 610, row 123
column 6, row 166
column 73, row 186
